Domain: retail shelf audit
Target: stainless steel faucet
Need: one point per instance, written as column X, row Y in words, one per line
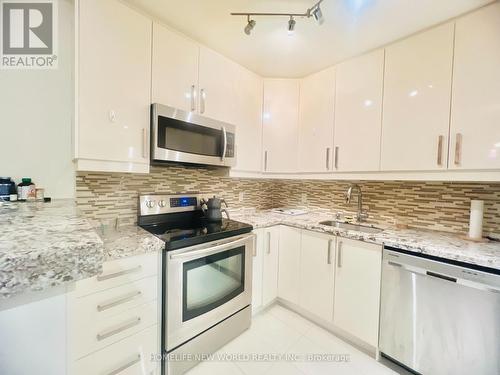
column 361, row 215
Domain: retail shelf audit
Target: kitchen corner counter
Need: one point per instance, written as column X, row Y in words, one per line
column 434, row 243
column 44, row 245
column 126, row 241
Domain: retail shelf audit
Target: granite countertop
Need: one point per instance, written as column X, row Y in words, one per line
column 48, row 244
column 44, row 245
column 439, row 244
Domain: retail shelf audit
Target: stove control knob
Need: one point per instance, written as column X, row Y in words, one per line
column 150, row 204
column 162, row 203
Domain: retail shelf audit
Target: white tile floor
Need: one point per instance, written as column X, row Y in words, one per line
column 279, row 331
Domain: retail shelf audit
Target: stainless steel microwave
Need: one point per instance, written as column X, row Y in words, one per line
column 185, row 137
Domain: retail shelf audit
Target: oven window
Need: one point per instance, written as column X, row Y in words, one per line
column 211, row 281
column 190, row 138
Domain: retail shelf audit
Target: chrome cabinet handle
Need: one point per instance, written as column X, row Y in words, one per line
column 126, row 366
column 339, row 255
column 336, row 157
column 114, row 331
column 265, row 160
column 269, row 242
column 203, row 98
column 440, row 150
column 329, row 256
column 118, row 301
column 224, row 147
column 144, row 143
column 119, row 273
column 458, row 149
column 328, row 158
column 193, row 98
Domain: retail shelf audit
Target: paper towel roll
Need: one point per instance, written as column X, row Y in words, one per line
column 476, row 219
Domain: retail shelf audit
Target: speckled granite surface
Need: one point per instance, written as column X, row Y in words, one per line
column 128, row 241
column 440, row 244
column 44, row 245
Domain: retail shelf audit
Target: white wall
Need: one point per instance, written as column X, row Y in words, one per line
column 36, row 115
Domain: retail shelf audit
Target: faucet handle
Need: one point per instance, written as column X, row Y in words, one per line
column 339, row 216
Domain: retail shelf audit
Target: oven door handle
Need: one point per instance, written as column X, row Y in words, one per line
column 210, row 250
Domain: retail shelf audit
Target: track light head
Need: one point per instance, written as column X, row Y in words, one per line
column 249, row 27
column 318, row 15
column 291, row 25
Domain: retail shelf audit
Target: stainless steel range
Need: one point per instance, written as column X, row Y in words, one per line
column 207, row 278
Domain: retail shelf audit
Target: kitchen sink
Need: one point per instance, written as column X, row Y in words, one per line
column 348, row 226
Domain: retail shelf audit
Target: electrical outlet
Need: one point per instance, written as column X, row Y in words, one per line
column 303, row 198
column 241, row 195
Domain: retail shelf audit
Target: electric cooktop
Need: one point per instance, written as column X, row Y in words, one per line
column 179, row 221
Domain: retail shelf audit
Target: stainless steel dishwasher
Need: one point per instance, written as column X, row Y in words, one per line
column 439, row 317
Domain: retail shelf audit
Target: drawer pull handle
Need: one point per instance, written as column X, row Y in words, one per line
column 119, row 273
column 118, row 301
column 137, row 359
column 339, row 255
column 114, row 331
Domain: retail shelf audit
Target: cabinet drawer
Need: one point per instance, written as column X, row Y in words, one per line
column 88, row 310
column 94, row 335
column 118, row 272
column 130, row 356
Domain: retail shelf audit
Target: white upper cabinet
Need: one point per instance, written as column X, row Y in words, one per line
column 175, row 69
column 114, row 85
column 280, row 125
column 218, row 77
column 475, row 116
column 248, row 121
column 358, row 113
column 317, row 100
column 416, row 106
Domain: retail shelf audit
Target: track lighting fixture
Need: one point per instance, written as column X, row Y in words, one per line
column 314, row 11
column 291, row 25
column 250, row 25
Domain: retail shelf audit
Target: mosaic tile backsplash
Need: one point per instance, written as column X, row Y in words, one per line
column 106, row 197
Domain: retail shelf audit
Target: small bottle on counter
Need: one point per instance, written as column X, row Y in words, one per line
column 26, row 190
column 7, row 188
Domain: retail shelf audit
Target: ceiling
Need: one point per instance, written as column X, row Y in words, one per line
column 351, row 27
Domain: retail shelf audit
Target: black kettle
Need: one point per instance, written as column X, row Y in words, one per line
column 212, row 209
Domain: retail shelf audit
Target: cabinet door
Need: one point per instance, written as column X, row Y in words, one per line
column 317, row 274
column 271, row 256
column 257, row 273
column 317, row 100
column 280, row 125
column 289, row 264
column 475, row 116
column 218, row 78
column 357, row 289
column 114, row 85
column 175, row 69
column 417, row 101
column 248, row 121
column 358, row 113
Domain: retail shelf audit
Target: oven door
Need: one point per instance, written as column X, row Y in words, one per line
column 189, row 138
column 205, row 284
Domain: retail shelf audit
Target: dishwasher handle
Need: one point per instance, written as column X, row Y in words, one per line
column 459, row 281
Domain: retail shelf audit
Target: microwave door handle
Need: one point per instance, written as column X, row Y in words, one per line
column 224, row 147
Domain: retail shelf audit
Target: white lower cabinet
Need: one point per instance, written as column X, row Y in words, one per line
column 134, row 355
column 357, row 289
column 257, row 270
column 289, row 264
column 113, row 319
column 270, row 265
column 316, row 287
